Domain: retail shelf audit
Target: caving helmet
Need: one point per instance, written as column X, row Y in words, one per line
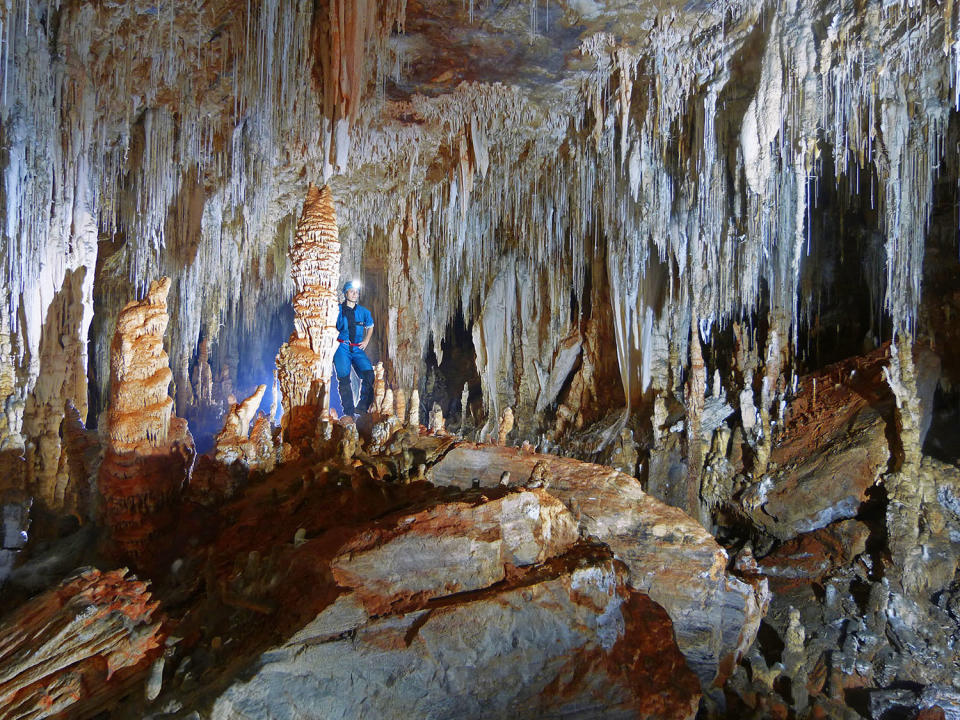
column 351, row 285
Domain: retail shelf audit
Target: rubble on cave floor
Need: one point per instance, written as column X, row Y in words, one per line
column 844, row 636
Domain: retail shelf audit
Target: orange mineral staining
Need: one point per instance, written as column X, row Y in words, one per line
column 305, row 361
column 149, row 450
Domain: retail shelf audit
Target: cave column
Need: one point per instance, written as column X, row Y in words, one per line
column 905, row 486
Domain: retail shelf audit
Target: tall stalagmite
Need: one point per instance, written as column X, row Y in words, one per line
column 305, row 362
column 149, row 450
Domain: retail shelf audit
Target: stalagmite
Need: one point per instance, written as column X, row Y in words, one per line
column 659, row 419
column 908, row 488
column 400, row 405
column 149, row 450
column 695, row 391
column 464, row 408
column 388, row 404
column 202, row 379
column 232, row 443
column 413, row 417
column 436, row 423
column 504, row 426
column 748, row 411
column 10, row 414
column 304, row 363
column 379, row 387
column 61, row 379
column 771, row 378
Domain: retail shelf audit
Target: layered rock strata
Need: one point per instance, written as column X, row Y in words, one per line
column 149, row 450
column 832, row 446
column 304, row 362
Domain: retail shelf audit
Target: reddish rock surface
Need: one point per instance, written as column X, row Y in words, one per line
column 316, row 575
column 812, row 556
column 77, row 648
column 845, row 408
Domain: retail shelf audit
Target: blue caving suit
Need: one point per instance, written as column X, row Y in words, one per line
column 352, row 324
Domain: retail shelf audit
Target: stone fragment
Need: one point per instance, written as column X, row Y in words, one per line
column 78, row 646
column 670, row 557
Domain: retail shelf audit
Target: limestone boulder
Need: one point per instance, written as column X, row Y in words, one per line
column 668, row 555
column 568, row 640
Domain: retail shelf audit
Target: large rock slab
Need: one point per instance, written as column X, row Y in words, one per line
column 669, row 556
column 566, row 641
column 832, row 449
column 453, row 547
